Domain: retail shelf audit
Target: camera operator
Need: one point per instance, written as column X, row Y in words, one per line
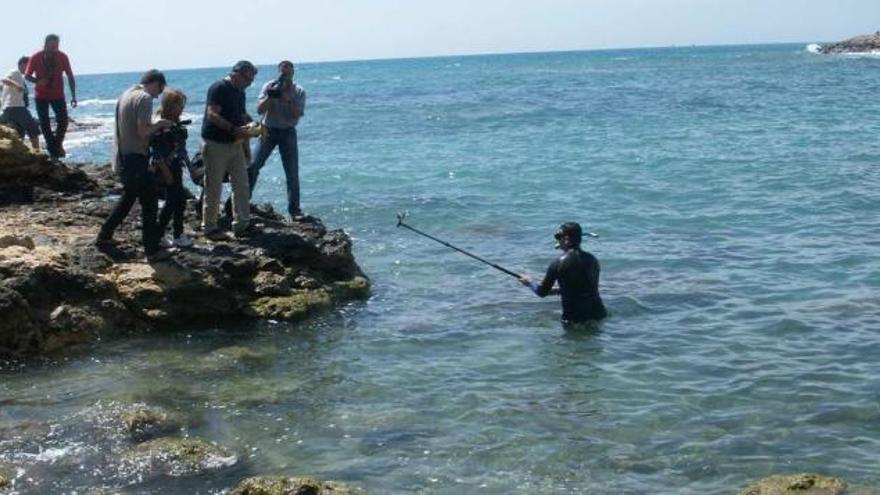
column 281, row 103
column 168, row 151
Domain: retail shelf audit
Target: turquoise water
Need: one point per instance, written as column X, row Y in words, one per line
column 735, row 193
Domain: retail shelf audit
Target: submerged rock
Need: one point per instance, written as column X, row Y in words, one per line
column 277, row 485
column 797, row 484
column 860, row 44
column 5, row 480
column 236, row 356
column 178, row 457
column 143, row 423
column 57, row 289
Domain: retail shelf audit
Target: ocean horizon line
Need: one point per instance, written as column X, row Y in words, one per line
column 468, row 55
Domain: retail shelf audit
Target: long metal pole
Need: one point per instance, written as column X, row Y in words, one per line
column 462, row 251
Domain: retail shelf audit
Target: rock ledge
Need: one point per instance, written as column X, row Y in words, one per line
column 57, row 288
column 868, row 43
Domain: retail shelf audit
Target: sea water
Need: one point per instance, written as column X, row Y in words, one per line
column 735, row 192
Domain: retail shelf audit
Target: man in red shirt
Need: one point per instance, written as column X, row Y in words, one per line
column 45, row 69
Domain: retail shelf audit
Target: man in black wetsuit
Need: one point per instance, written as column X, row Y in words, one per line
column 577, row 273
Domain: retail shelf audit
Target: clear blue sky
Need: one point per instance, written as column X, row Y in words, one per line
column 119, row 35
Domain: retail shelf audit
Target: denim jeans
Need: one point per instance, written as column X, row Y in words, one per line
column 285, row 139
column 138, row 183
column 54, row 140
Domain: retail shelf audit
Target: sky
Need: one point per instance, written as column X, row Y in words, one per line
column 120, row 36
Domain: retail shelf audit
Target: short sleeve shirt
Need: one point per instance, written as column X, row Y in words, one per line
column 12, row 96
column 48, row 66
column 232, row 108
column 134, row 106
column 277, row 115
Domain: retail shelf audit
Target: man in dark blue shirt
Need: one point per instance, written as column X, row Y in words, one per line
column 225, row 131
column 577, row 274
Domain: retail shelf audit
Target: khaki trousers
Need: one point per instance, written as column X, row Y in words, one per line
column 221, row 159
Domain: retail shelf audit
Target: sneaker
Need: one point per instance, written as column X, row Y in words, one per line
column 104, row 240
column 248, row 231
column 216, row 235
column 158, row 255
column 166, row 242
column 297, row 215
column 183, row 241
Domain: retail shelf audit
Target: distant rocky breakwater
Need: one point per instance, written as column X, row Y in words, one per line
column 57, row 289
column 868, row 43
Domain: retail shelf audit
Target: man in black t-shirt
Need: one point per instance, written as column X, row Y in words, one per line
column 577, row 274
column 223, row 129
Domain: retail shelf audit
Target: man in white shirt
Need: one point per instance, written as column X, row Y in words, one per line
column 14, row 100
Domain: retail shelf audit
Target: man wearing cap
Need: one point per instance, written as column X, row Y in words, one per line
column 281, row 104
column 223, row 129
column 577, row 274
column 134, row 126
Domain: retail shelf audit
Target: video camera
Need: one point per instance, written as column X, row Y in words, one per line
column 178, row 130
column 274, row 89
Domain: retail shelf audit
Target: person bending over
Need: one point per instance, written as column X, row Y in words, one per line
column 15, row 105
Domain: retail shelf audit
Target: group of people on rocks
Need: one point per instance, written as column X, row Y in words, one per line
column 150, row 150
column 150, row 153
column 45, row 69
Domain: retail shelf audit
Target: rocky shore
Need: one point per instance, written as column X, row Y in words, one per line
column 57, row 289
column 867, row 43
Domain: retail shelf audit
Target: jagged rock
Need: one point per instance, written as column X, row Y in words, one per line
column 860, row 44
column 16, row 240
column 271, row 284
column 296, row 306
column 7, row 474
column 19, row 328
column 277, row 485
column 797, row 484
column 57, row 289
column 23, row 173
column 178, row 457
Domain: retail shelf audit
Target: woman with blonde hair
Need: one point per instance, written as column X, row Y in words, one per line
column 168, row 152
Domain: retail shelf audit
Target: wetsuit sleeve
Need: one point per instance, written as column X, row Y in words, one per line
column 546, row 286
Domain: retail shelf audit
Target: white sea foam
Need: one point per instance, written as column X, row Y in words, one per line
column 52, row 455
column 88, row 130
column 871, row 54
column 95, row 102
column 816, row 48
